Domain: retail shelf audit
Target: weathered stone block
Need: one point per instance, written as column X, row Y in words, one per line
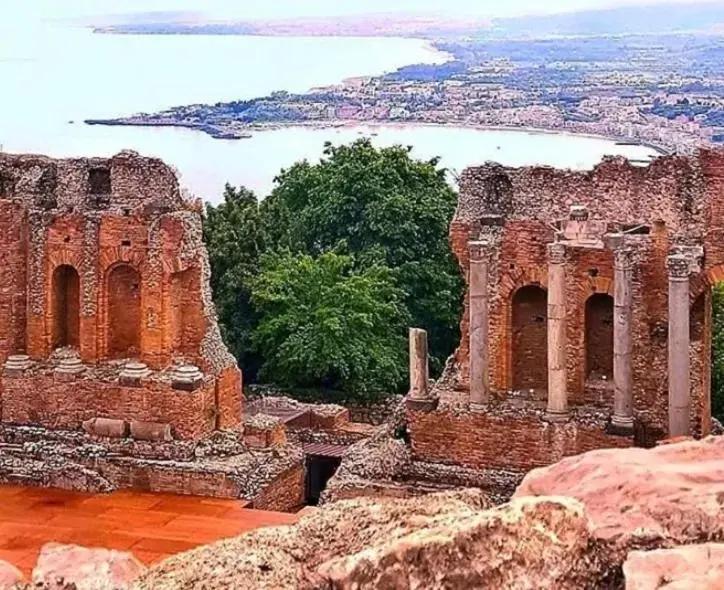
column 151, row 431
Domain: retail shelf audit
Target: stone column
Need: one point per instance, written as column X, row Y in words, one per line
column 557, row 375
column 419, row 397
column 622, row 420
column 479, row 325
column 679, row 380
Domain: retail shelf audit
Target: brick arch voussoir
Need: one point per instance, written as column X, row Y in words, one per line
column 65, row 258
column 527, row 277
column 594, row 286
column 116, row 256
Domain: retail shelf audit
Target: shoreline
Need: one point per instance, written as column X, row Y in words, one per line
column 248, row 131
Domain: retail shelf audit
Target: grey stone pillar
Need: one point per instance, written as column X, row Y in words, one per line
column 557, row 374
column 622, row 419
column 679, row 337
column 479, row 325
column 419, row 379
column 419, row 398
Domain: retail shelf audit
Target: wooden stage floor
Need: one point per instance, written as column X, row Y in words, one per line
column 151, row 526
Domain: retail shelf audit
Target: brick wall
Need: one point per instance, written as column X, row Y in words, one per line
column 229, row 399
column 487, row 441
column 678, row 200
column 529, row 339
column 167, row 479
column 56, row 402
column 121, row 273
column 285, row 494
column 12, row 278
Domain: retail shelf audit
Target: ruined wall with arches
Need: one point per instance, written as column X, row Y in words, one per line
column 568, row 338
column 105, row 305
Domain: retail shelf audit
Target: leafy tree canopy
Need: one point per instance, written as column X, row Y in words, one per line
column 367, row 228
column 383, row 207
column 324, row 323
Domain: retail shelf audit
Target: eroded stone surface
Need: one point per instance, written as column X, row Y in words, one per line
column 88, row 569
column 9, row 576
column 693, row 567
column 670, row 495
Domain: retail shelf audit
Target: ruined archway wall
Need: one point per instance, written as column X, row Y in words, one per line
column 522, row 210
column 93, row 214
column 588, row 272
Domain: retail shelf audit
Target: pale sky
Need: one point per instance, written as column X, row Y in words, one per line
column 10, row 9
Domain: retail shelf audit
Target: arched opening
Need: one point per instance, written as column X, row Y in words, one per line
column 599, row 337
column 530, row 340
column 124, row 312
column 66, row 307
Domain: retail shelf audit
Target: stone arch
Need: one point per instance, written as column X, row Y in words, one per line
column 123, row 311
column 529, row 339
column 599, row 337
column 65, row 307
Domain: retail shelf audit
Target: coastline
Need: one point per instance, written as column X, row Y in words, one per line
column 249, row 130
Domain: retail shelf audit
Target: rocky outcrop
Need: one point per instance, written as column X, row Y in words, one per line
column 636, row 498
column 693, row 567
column 619, row 501
column 60, row 566
column 528, row 544
column 9, row 576
column 439, row 541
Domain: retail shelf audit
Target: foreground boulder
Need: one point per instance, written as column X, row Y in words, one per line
column 287, row 557
column 9, row 575
column 637, row 498
column 60, row 566
column 529, row 544
column 692, row 567
column 450, row 540
column 621, row 500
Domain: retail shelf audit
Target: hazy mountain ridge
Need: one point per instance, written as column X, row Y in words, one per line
column 660, row 18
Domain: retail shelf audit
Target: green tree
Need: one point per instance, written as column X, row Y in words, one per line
column 233, row 237
column 717, row 348
column 382, row 207
column 325, row 324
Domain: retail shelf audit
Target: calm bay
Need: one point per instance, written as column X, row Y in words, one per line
column 54, row 77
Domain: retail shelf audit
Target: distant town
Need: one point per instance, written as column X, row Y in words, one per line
column 665, row 90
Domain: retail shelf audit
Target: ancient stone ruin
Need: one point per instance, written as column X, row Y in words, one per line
column 106, row 317
column 587, row 318
column 113, row 373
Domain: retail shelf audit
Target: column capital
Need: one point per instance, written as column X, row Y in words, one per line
column 556, row 253
column 480, row 250
column 679, row 267
column 623, row 258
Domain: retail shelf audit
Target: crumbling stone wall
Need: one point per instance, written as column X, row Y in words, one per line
column 113, row 247
column 672, row 206
column 675, row 200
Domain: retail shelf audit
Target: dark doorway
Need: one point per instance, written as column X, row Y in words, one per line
column 599, row 337
column 319, row 471
column 530, row 339
column 66, row 307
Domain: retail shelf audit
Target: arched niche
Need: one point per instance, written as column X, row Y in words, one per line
column 65, row 307
column 123, row 291
column 529, row 344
